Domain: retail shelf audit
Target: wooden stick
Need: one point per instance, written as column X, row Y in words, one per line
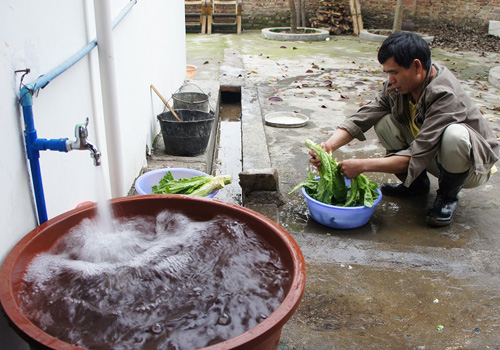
column 359, row 16
column 165, row 102
column 354, row 15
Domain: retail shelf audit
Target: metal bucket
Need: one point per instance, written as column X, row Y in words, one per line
column 190, row 136
column 197, row 101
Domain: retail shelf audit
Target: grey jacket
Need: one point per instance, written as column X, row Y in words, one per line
column 442, row 102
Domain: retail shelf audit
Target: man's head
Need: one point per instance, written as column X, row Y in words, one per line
column 406, row 58
column 405, row 47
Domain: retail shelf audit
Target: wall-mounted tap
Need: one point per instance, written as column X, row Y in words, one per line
column 81, row 142
column 94, row 153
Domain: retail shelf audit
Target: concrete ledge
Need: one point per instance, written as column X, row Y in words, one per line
column 274, row 34
column 379, row 35
column 253, row 136
column 257, row 176
column 259, row 180
column 232, row 71
column 494, row 28
column 494, row 77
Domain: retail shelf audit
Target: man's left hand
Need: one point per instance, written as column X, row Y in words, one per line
column 351, row 168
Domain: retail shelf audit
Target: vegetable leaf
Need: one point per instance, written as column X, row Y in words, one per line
column 201, row 185
column 331, row 187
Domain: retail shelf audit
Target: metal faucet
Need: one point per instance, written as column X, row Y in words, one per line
column 81, row 142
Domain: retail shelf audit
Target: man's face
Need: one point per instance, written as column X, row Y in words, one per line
column 404, row 80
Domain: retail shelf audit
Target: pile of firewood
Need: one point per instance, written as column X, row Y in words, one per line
column 334, row 16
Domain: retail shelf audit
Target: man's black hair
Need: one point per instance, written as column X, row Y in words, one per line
column 405, row 47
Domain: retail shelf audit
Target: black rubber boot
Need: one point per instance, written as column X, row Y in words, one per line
column 441, row 213
column 419, row 187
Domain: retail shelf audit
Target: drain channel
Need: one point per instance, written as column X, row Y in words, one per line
column 227, row 156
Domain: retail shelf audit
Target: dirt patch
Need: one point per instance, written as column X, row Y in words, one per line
column 463, row 37
column 457, row 35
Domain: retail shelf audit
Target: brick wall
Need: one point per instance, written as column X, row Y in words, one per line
column 376, row 13
column 271, row 13
column 437, row 9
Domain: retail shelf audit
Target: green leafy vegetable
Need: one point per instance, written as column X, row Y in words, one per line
column 331, row 188
column 198, row 185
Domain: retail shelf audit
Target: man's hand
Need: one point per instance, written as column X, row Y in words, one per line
column 351, row 168
column 316, row 162
column 339, row 138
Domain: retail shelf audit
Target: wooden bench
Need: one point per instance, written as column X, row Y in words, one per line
column 224, row 13
column 196, row 13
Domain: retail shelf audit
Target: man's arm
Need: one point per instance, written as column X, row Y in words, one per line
column 393, row 165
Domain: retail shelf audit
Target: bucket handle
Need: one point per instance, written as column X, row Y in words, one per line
column 186, row 84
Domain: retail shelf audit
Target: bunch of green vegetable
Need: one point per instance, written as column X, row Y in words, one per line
column 198, row 185
column 331, row 187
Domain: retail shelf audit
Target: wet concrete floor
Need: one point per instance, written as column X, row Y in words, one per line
column 394, row 283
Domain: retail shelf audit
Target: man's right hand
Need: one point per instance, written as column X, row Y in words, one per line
column 339, row 138
column 314, row 160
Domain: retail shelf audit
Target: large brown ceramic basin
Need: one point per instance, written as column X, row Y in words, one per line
column 263, row 336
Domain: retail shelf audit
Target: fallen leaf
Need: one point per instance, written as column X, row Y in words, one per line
column 344, row 96
column 496, row 109
column 323, row 131
column 206, row 62
column 315, row 66
column 282, row 47
column 276, row 99
column 309, row 71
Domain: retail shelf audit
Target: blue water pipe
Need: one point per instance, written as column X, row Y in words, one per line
column 34, row 144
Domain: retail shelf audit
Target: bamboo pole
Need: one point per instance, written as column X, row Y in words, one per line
column 165, row 102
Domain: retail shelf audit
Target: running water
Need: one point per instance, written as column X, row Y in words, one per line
column 164, row 282
column 104, row 214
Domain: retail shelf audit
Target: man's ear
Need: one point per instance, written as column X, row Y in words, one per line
column 419, row 68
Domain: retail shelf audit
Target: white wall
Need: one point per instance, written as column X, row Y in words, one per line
column 149, row 49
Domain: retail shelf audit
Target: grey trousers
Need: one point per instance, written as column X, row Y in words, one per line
column 454, row 153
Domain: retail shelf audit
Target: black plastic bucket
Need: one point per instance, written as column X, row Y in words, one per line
column 188, row 137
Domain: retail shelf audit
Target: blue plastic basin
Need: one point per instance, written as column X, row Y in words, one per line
column 339, row 217
column 144, row 183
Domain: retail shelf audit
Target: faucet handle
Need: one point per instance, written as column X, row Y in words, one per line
column 81, row 131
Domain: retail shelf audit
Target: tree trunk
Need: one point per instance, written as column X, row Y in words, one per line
column 293, row 16
column 398, row 16
column 303, row 13
column 299, row 12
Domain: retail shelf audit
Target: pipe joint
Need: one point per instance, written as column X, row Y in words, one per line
column 51, row 145
column 26, row 96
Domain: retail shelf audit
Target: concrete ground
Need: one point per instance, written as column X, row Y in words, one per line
column 394, row 283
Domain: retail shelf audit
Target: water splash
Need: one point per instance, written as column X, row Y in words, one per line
column 164, row 282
